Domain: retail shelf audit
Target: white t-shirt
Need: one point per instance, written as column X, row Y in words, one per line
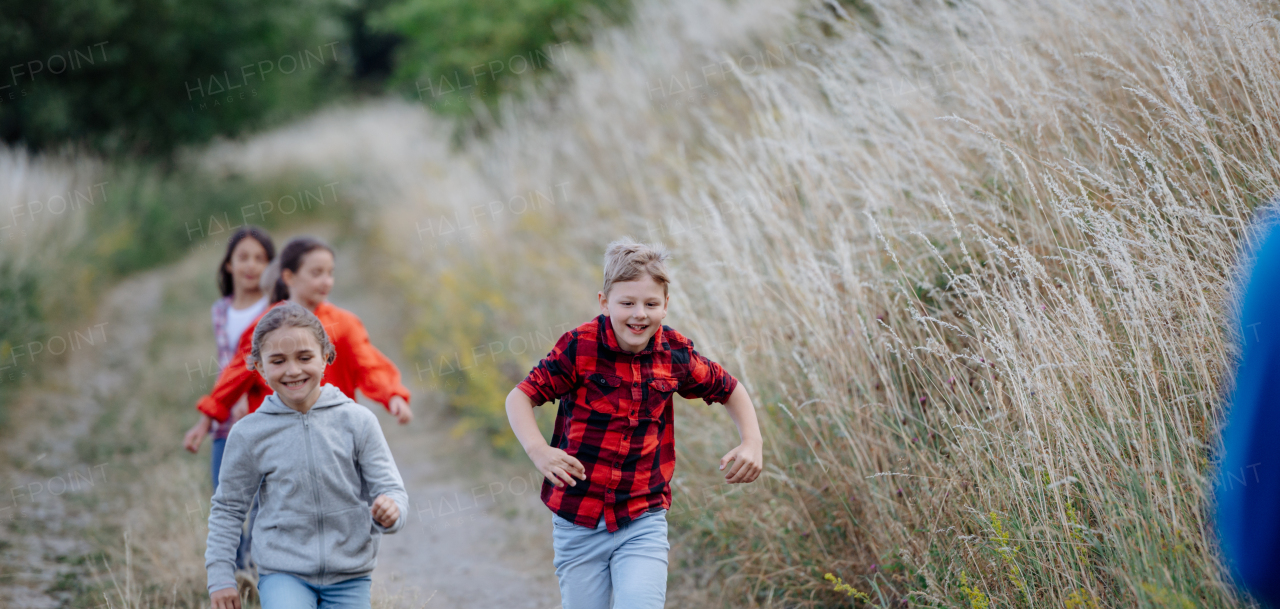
column 239, row 319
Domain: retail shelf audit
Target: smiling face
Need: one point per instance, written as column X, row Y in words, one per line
column 635, row 310
column 311, row 284
column 248, row 260
column 292, row 363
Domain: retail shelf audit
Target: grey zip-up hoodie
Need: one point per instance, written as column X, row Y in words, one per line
column 317, row 475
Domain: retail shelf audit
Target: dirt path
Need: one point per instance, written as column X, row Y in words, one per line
column 54, row 493
column 477, row 535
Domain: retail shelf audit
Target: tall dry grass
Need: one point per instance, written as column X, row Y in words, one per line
column 972, row 259
column 1013, row 289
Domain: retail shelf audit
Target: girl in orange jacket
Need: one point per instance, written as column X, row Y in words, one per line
column 305, row 268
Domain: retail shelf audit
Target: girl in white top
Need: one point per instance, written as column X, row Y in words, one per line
column 249, row 251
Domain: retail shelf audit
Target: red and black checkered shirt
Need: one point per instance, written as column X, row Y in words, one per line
column 616, row 417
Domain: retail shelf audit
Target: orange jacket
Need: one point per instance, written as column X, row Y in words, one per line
column 358, row 365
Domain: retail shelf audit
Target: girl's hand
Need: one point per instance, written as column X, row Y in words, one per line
column 748, row 462
column 241, row 409
column 400, row 410
column 558, row 466
column 195, row 435
column 385, row 511
column 226, row 598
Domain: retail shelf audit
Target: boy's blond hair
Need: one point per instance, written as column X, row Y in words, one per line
column 628, row 260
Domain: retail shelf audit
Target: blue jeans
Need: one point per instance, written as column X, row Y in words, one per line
column 626, row 569
column 244, row 559
column 284, row 591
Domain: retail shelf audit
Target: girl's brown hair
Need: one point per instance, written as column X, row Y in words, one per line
column 225, row 283
column 290, row 258
column 290, row 315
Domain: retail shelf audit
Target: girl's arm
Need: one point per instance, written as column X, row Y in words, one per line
column 234, row 380
column 195, row 436
column 381, row 476
column 238, row 481
column 378, row 378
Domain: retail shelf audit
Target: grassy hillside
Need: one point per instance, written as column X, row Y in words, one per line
column 973, row 260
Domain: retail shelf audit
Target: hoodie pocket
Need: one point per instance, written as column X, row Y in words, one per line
column 352, row 539
column 287, row 542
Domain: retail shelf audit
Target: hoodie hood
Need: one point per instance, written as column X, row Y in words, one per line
column 329, row 396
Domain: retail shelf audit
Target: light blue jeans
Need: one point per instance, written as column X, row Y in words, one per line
column 626, row 569
column 284, row 591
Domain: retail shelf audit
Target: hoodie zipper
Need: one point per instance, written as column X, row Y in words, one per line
column 315, row 489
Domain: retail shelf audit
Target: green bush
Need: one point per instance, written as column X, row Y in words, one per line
column 455, row 52
column 21, row 321
column 141, row 76
column 141, row 216
column 144, row 76
column 153, row 217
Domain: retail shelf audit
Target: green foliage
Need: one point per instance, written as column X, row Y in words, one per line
column 140, row 216
column 146, row 75
column 152, row 217
column 457, row 51
column 21, row 321
column 468, row 315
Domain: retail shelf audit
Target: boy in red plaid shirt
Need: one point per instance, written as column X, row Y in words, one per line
column 612, row 454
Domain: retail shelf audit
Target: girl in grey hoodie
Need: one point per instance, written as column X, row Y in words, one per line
column 328, row 486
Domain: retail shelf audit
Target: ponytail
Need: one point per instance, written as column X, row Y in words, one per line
column 290, row 258
column 271, row 283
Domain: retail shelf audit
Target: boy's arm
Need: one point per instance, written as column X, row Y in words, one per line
column 554, row 376
column 747, row 457
column 380, row 472
column 238, row 481
column 556, row 465
column 708, row 380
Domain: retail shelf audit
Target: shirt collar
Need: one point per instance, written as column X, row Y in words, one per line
column 656, row 342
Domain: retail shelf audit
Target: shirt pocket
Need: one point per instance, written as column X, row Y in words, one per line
column 601, row 392
column 657, row 396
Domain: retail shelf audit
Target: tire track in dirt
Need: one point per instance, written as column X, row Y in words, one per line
column 52, row 493
column 477, row 535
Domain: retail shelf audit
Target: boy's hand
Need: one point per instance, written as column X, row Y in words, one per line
column 748, row 462
column 399, row 408
column 226, row 598
column 385, row 511
column 195, row 435
column 558, row 466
